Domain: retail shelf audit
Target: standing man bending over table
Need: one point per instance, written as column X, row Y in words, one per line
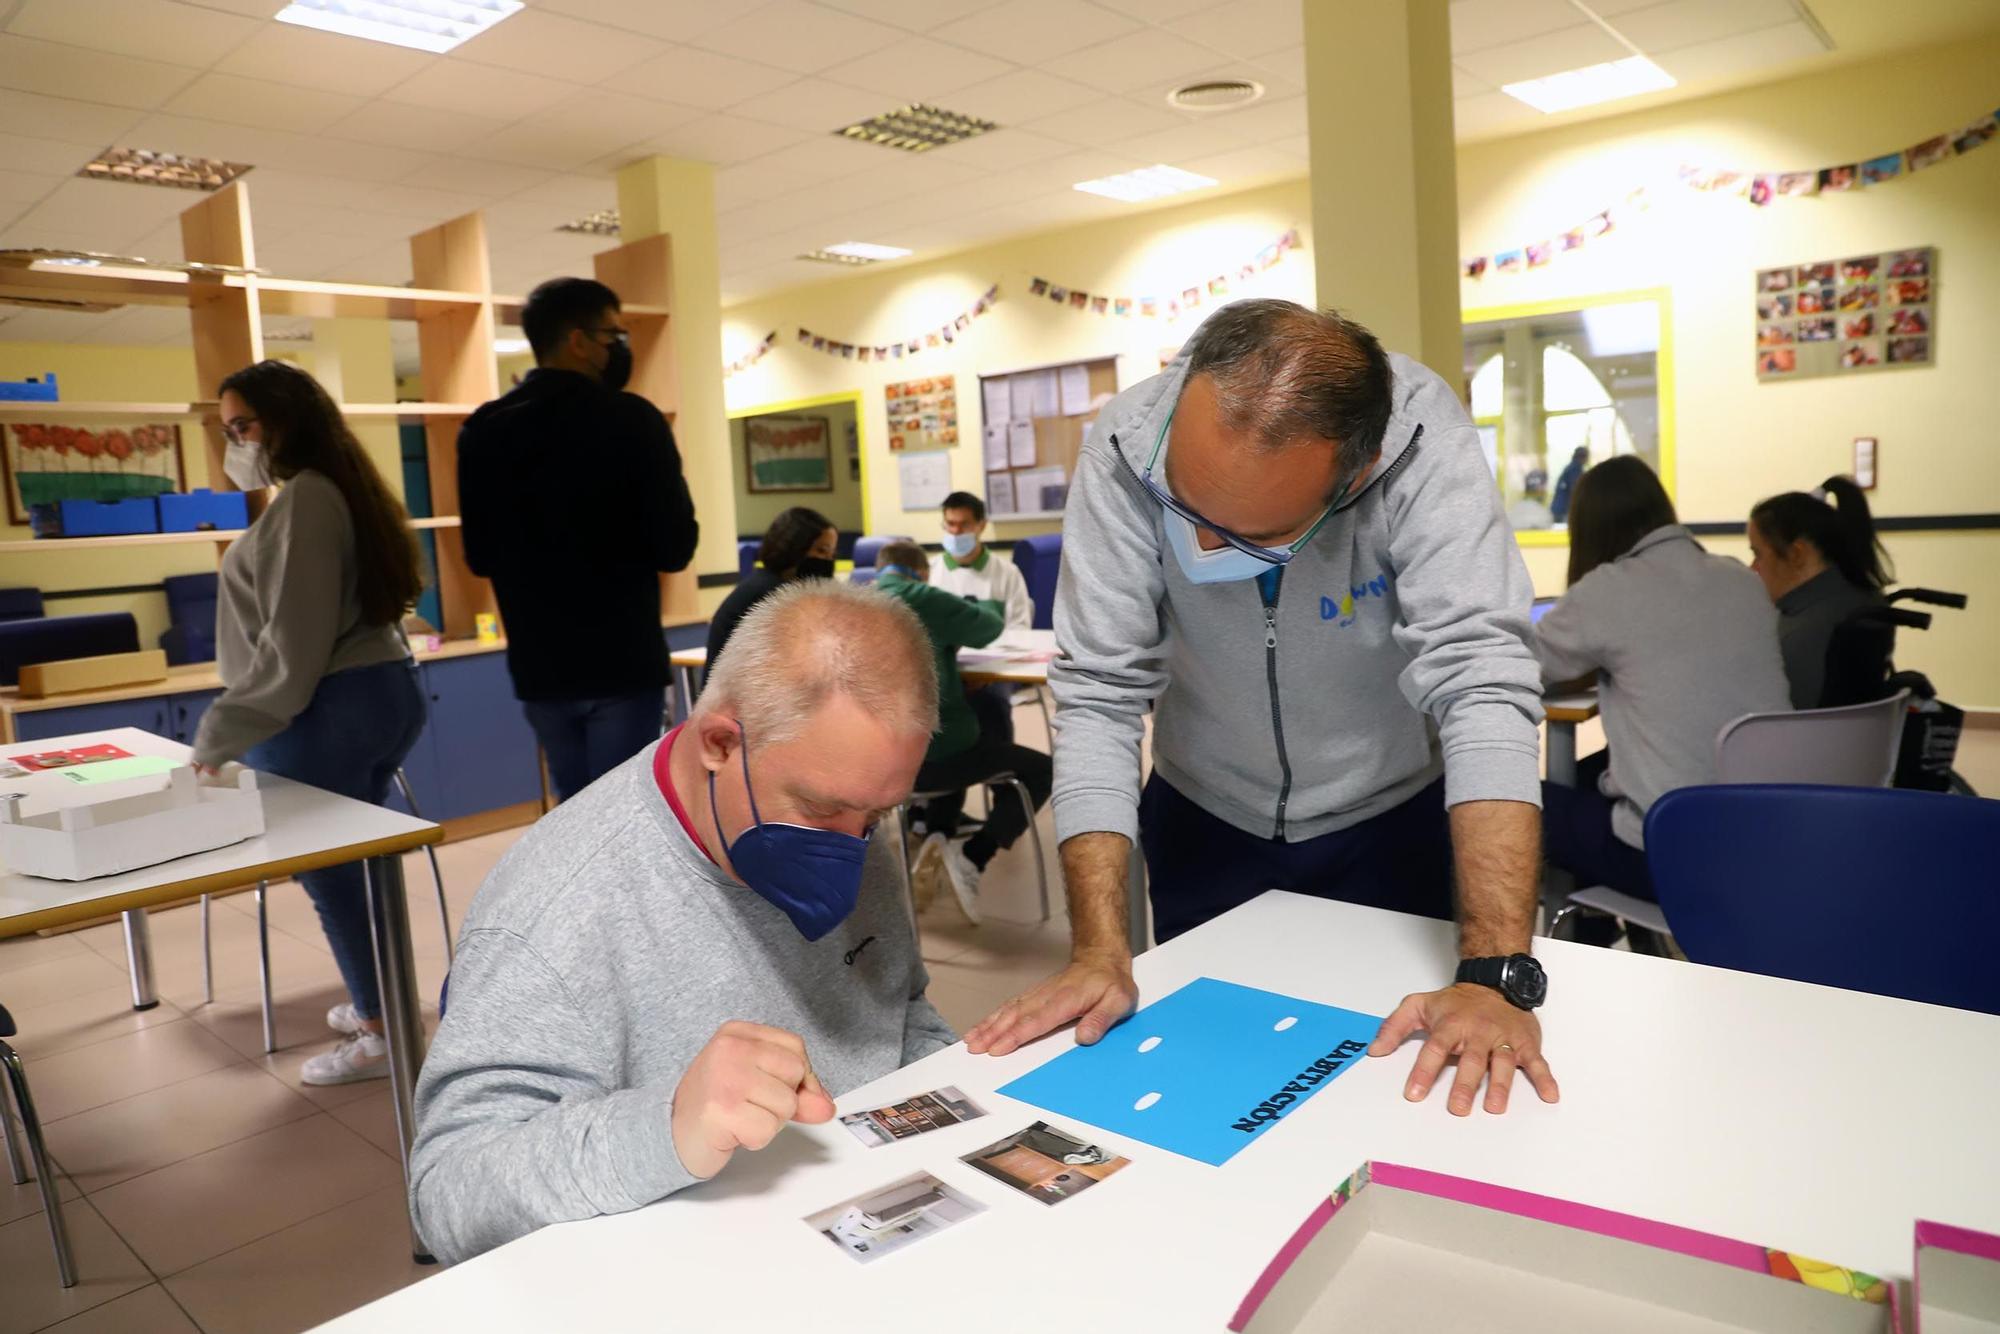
column 701, row 948
column 1288, row 547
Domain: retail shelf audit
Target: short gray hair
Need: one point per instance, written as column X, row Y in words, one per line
column 814, row 638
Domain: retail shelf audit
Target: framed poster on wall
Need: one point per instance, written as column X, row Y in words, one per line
column 1834, row 317
column 923, row 414
column 788, row 453
column 44, row 462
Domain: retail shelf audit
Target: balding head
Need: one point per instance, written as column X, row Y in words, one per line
column 813, row 640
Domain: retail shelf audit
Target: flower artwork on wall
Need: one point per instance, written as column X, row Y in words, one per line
column 47, row 462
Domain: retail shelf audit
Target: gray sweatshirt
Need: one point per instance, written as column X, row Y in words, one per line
column 287, row 613
column 598, row 959
column 1685, row 641
column 1397, row 645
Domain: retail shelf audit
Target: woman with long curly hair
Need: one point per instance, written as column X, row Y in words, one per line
column 319, row 683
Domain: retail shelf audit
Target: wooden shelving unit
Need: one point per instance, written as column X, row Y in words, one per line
column 455, row 310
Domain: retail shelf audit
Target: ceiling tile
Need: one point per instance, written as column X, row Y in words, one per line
column 1465, row 85
column 1681, row 23
column 1246, row 28
column 1764, row 50
column 254, row 102
column 180, row 34
column 495, row 180
column 86, row 123
column 798, row 36
column 672, row 20
column 21, row 188
column 558, row 47
column 1157, row 11
column 998, row 150
column 480, row 90
column 816, row 106
column 1064, row 172
column 916, row 69
column 1240, row 167
column 1134, row 60
column 753, row 183
column 432, row 132
column 699, row 78
column 56, row 70
column 1479, row 24
column 914, row 15
column 512, row 216
column 826, row 156
column 1023, row 96
column 725, row 140
column 581, row 193
column 1551, row 53
column 1487, row 114
column 44, row 157
column 1028, row 32
column 1262, row 122
column 275, row 148
column 1104, row 121
column 313, row 59
column 1175, row 146
column 1288, row 67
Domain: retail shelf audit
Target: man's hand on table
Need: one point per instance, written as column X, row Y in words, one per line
column 1096, row 990
column 1483, row 1030
column 740, row 1091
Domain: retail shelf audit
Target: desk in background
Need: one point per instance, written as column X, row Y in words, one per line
column 1806, row 1118
column 1018, row 657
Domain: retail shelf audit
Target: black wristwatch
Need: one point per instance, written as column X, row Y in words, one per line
column 1516, row 976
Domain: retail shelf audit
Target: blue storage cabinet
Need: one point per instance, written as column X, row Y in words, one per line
column 149, row 715
column 485, row 750
column 184, row 713
column 421, row 767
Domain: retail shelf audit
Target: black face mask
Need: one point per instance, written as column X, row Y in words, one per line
column 617, row 364
column 815, row 567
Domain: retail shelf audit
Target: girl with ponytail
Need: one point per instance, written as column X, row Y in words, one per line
column 1821, row 562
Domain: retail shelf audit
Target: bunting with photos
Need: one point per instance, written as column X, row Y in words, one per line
column 1171, row 305
column 1759, row 188
column 752, row 357
column 923, row 341
column 1832, row 317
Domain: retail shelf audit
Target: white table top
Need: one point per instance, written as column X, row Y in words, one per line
column 1018, row 656
column 303, row 827
column 1820, row 1121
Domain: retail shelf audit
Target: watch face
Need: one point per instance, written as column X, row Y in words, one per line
column 1525, row 981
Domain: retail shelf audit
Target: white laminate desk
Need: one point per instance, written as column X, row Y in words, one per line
column 1819, row 1121
column 305, row 828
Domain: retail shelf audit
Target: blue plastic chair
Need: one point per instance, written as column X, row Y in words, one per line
column 746, row 556
column 866, row 549
column 20, row 604
column 1871, row 889
column 55, row 638
column 1040, row 559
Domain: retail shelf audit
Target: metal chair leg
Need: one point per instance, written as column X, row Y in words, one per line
column 139, row 957
column 31, row 1126
column 207, row 958
column 437, row 876
column 264, row 966
column 1034, row 836
column 16, row 1164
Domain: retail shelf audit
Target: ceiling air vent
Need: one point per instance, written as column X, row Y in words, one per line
column 1215, row 94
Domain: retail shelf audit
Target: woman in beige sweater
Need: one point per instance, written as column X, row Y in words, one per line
column 319, row 683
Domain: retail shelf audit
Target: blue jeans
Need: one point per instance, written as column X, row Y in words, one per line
column 1200, row 866
column 1577, row 835
column 350, row 739
column 586, row 739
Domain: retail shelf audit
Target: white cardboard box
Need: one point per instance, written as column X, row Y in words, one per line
column 1958, row 1281
column 124, row 833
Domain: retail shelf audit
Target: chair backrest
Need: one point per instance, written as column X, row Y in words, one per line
column 864, row 577
column 1860, row 654
column 1040, row 559
column 1854, row 746
column 1871, row 889
column 56, row 638
column 746, row 555
column 866, row 549
column 191, row 598
column 20, row 604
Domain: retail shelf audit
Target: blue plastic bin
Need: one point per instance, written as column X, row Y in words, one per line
column 31, row 390
column 201, row 510
column 96, row 518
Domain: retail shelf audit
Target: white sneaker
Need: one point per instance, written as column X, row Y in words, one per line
column 363, row 1056
column 343, row 1018
column 964, row 879
column 926, row 869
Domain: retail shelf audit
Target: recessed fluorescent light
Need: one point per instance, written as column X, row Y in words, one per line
column 1593, row 83
column 866, row 250
column 144, row 166
column 916, row 128
column 507, row 347
column 604, row 222
column 427, row 25
column 1154, row 182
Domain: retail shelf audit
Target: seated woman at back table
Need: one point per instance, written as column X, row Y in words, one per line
column 1821, row 562
column 1681, row 642
column 798, row 545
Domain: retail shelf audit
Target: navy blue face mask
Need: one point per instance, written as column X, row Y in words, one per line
column 811, row 875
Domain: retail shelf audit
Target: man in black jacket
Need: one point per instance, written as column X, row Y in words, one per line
column 573, row 504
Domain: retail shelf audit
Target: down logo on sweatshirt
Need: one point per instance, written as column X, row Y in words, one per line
column 1342, row 612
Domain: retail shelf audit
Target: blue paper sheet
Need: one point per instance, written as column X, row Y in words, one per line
column 1205, row 1071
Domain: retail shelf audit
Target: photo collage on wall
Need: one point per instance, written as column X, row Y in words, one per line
column 1831, row 317
column 923, row 414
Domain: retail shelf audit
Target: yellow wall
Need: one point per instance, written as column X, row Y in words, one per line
column 1739, row 440
column 1140, row 254
column 842, row 504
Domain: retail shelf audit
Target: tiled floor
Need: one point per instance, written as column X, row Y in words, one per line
column 208, row 1190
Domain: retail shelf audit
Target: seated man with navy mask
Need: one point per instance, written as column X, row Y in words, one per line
column 697, row 950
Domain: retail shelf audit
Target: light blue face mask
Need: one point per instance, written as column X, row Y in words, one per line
column 1238, row 558
column 959, row 545
column 811, row 875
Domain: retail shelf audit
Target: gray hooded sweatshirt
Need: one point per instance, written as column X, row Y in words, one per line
column 1397, row 645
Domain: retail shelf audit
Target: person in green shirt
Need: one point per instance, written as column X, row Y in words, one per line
column 961, row 754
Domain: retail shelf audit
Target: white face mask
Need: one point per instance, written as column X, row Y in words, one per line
column 960, row 545
column 247, row 466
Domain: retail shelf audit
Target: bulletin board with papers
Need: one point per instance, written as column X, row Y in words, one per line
column 1032, row 427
